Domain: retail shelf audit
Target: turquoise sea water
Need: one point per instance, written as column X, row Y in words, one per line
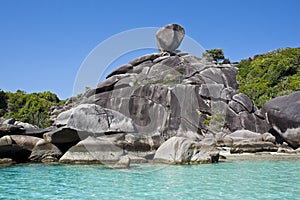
column 228, row 180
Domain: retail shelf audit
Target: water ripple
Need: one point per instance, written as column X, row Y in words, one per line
column 236, row 180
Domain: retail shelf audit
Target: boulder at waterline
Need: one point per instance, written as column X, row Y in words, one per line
column 283, row 115
column 169, row 37
column 17, row 147
column 176, row 150
column 45, row 150
column 181, row 150
column 253, row 147
column 4, row 162
column 205, row 154
column 246, row 135
column 123, row 163
column 93, row 150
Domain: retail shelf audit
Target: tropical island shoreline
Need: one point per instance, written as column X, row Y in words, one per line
column 168, row 107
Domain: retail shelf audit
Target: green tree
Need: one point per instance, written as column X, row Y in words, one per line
column 3, row 103
column 270, row 75
column 31, row 108
column 216, row 55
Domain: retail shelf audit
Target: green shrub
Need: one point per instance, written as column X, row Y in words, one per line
column 31, row 108
column 3, row 103
column 270, row 75
column 216, row 55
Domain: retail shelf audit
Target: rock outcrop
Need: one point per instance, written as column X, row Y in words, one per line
column 283, row 115
column 178, row 94
column 170, row 94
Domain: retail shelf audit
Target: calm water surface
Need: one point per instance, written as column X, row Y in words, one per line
column 230, row 180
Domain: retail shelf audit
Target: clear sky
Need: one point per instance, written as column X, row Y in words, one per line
column 44, row 42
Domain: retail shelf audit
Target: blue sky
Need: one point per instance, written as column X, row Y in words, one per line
column 44, row 42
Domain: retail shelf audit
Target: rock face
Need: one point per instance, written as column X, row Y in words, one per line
column 283, row 115
column 95, row 119
column 181, row 150
column 169, row 37
column 177, row 94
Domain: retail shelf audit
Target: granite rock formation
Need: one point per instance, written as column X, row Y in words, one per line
column 283, row 115
column 178, row 94
column 171, row 106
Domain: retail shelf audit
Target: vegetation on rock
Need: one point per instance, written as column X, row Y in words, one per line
column 216, row 55
column 3, row 102
column 270, row 75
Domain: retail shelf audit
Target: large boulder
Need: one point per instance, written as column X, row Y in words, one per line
column 176, row 150
column 181, row 150
column 123, row 163
column 253, row 147
column 95, row 119
column 169, row 37
column 10, row 129
column 15, row 127
column 17, row 147
column 283, row 115
column 65, row 135
column 93, row 150
column 44, row 150
column 243, row 136
column 4, row 162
